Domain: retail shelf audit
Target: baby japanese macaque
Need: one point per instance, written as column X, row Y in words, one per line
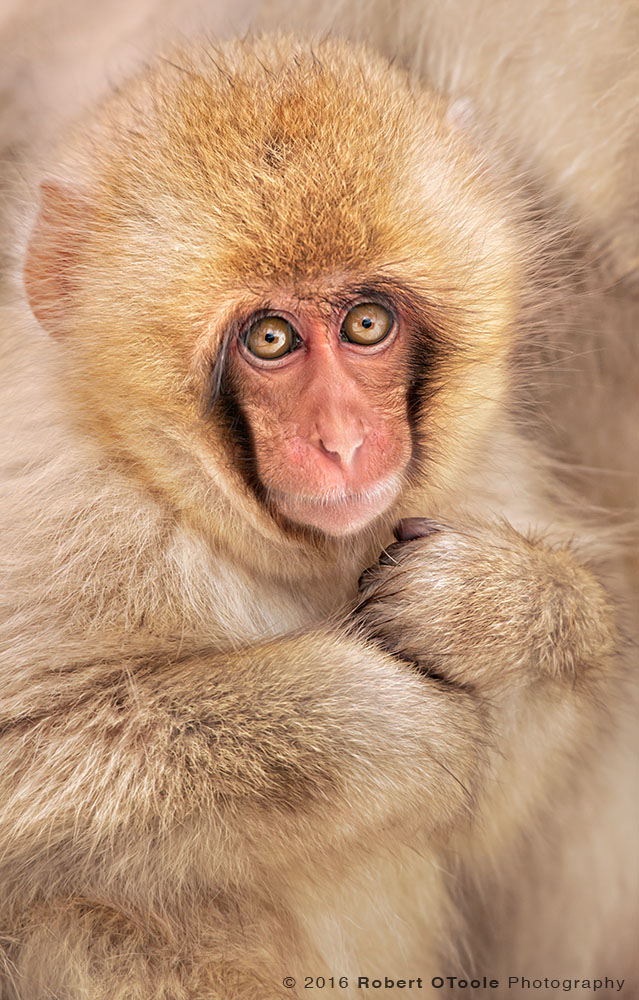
column 313, row 665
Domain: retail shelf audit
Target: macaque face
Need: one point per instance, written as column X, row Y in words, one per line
column 323, row 391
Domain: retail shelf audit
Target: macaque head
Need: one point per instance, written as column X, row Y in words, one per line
column 281, row 275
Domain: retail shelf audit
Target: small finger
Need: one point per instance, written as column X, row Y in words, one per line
column 415, row 527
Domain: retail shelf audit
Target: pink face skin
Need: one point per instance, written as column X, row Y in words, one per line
column 328, row 420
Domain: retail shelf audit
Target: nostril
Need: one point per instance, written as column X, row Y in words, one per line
column 343, row 453
column 335, row 455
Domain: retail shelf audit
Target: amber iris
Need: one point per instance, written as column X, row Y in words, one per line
column 270, row 338
column 367, row 324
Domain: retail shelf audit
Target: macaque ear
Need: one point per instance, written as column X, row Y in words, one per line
column 52, row 253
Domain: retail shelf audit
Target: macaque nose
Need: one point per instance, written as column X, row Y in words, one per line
column 342, row 448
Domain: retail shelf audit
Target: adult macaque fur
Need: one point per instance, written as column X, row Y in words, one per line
column 237, row 744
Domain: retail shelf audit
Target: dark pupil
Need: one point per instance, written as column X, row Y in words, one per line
column 269, row 337
column 367, row 323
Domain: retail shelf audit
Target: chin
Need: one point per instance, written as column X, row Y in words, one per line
column 339, row 513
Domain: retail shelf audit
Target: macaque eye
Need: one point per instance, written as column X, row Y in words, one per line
column 270, row 338
column 367, row 324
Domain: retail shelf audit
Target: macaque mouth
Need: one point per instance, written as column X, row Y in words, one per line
column 339, row 497
column 337, row 511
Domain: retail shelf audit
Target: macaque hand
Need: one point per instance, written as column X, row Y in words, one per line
column 482, row 604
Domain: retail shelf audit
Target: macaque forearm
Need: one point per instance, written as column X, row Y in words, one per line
column 276, row 739
column 523, row 626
